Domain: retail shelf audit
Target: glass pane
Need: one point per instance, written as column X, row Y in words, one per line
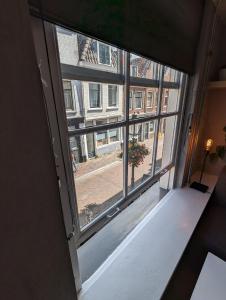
column 171, row 75
column 166, row 138
column 79, row 50
column 143, row 68
column 91, row 101
column 141, row 140
column 143, row 101
column 170, row 100
column 98, row 172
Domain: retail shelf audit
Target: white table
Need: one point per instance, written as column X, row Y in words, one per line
column 211, row 284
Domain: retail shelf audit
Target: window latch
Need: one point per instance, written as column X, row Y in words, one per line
column 114, row 213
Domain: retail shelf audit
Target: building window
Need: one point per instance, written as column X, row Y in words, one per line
column 68, row 98
column 94, row 95
column 134, row 71
column 165, row 100
column 138, row 99
column 104, row 54
column 113, row 133
column 112, row 95
column 130, row 99
column 101, row 136
column 150, row 99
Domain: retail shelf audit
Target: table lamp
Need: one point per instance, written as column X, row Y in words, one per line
column 198, row 185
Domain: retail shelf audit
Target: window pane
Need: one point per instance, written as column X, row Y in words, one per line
column 104, row 53
column 79, row 50
column 141, row 139
column 143, row 68
column 171, row 75
column 94, row 101
column 166, row 138
column 170, row 100
column 98, row 173
column 143, row 101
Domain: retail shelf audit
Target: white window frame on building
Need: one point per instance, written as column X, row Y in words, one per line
column 151, row 104
column 71, row 106
column 100, row 95
column 111, row 103
column 99, row 44
column 141, row 93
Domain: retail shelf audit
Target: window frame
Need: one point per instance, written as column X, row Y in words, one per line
column 98, row 53
column 98, row 76
column 72, row 109
column 117, row 96
column 100, row 96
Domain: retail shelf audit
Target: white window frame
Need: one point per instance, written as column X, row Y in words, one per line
column 101, row 89
column 152, row 99
column 98, row 53
column 117, row 96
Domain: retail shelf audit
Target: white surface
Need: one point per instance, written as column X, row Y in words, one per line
column 144, row 262
column 211, row 284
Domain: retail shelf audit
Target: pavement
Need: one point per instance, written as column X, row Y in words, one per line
column 99, row 181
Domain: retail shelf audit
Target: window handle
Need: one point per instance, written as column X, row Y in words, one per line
column 114, row 213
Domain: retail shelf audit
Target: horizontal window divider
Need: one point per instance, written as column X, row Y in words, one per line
column 107, row 126
column 90, row 129
column 165, row 115
column 150, row 118
column 87, row 74
column 171, row 85
column 90, row 229
column 144, row 82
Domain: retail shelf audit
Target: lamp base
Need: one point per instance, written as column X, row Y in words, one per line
column 199, row 186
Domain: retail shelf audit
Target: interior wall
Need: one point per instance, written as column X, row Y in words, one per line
column 34, row 256
column 213, row 117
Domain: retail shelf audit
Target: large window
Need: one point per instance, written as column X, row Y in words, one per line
column 125, row 129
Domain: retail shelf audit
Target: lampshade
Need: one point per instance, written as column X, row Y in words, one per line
column 209, row 144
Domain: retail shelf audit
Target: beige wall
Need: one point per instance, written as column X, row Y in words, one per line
column 212, row 122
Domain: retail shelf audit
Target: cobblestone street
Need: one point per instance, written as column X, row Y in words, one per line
column 100, row 179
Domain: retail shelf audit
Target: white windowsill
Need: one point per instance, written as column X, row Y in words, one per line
column 95, row 108
column 142, row 265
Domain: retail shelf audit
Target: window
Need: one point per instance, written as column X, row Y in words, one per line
column 68, row 98
column 112, row 95
column 134, row 70
column 104, row 54
column 101, row 136
column 94, row 95
column 102, row 179
column 138, row 99
column 130, row 99
column 150, row 99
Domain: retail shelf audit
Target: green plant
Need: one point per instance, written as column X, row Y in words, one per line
column 220, row 151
